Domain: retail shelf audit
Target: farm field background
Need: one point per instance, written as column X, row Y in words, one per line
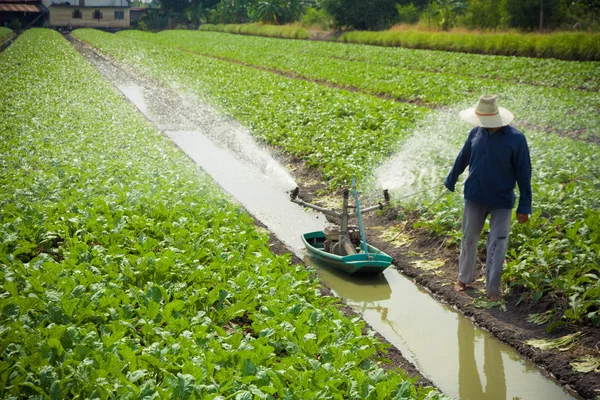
column 344, row 134
column 425, row 77
column 126, row 272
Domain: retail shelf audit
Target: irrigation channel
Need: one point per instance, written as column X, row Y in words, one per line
column 462, row 360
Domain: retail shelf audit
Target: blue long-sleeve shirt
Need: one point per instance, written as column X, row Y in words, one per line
column 496, row 163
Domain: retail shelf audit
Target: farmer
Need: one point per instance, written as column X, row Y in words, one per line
column 498, row 158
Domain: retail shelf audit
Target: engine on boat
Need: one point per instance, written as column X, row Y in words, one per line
column 332, row 240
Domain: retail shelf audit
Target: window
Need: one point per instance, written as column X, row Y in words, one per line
column 119, row 14
column 97, row 14
column 76, row 13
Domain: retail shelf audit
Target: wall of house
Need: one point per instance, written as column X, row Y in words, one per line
column 63, row 16
column 91, row 3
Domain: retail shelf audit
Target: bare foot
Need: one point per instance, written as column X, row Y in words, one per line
column 494, row 297
column 459, row 286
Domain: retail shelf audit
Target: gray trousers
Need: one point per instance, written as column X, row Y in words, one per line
column 474, row 217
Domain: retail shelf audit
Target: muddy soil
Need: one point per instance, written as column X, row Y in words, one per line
column 7, row 42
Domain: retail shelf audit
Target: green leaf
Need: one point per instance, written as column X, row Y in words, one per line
column 182, row 385
column 244, row 395
column 248, row 368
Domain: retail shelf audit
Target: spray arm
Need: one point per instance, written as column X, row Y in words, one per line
column 294, row 198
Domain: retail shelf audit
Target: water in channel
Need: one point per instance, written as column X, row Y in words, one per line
column 460, row 359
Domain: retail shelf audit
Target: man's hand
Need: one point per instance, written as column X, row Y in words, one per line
column 449, row 186
column 522, row 218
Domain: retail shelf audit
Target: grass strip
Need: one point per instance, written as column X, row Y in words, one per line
column 276, row 31
column 577, row 46
column 127, row 274
column 342, row 134
column 437, row 89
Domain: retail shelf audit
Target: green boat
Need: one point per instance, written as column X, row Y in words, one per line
column 371, row 263
column 345, row 247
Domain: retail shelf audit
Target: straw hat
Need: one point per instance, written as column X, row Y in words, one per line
column 487, row 114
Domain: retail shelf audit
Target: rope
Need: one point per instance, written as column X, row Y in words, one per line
column 422, row 191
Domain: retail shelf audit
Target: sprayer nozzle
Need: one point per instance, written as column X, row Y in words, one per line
column 386, row 195
column 295, row 192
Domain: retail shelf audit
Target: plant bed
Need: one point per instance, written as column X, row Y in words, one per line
column 127, row 273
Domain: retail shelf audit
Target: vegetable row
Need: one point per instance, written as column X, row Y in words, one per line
column 577, row 46
column 353, row 131
column 523, row 70
column 399, row 82
column 127, row 274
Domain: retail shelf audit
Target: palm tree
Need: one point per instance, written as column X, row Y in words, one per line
column 278, row 11
column 269, row 11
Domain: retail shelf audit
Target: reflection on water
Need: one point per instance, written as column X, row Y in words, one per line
column 359, row 289
column 470, row 386
column 463, row 361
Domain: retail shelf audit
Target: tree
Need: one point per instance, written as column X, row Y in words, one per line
column 231, row 12
column 525, row 14
column 278, row 11
column 582, row 14
column 187, row 7
column 361, row 14
column 448, row 11
column 482, row 14
column 421, row 5
column 408, row 14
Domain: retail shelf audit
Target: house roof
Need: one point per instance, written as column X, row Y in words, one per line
column 20, row 7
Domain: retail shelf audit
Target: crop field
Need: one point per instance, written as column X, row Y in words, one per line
column 555, row 257
column 126, row 273
column 432, row 78
column 303, row 118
